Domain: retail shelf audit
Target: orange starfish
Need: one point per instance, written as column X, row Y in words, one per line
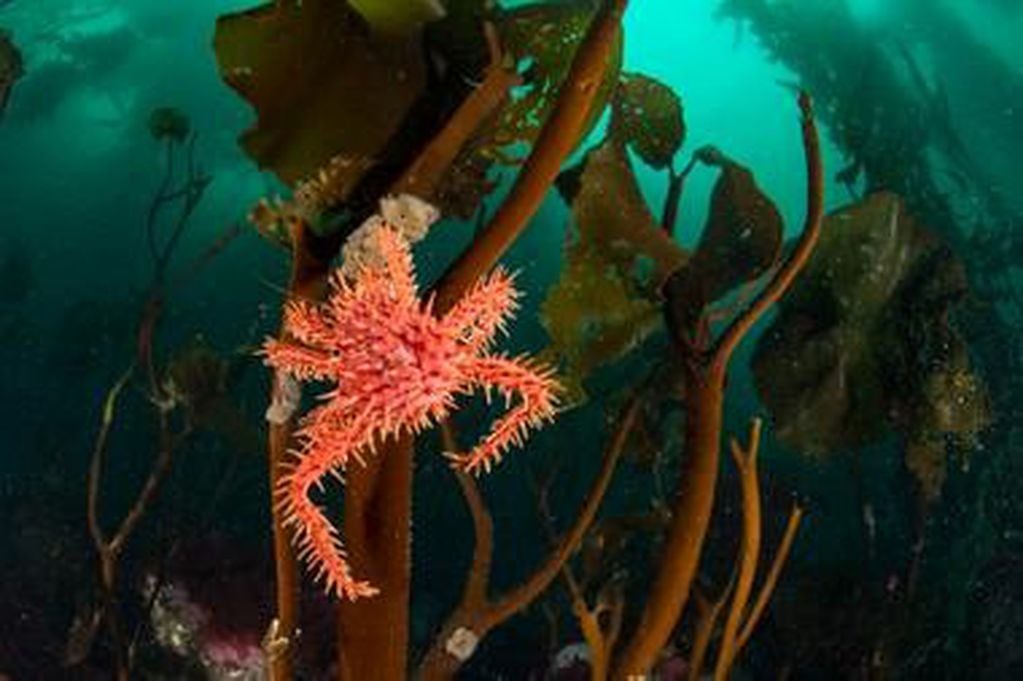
column 394, row 366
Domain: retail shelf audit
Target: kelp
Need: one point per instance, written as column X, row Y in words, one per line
column 703, row 359
column 545, row 37
column 740, row 240
column 865, row 344
column 818, row 367
column 608, row 297
column 952, row 411
column 947, row 406
column 312, row 112
column 648, row 115
column 321, row 85
column 398, row 17
column 606, row 300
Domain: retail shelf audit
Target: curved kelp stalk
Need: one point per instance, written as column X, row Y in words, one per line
column 600, row 623
column 558, row 137
column 705, row 370
column 478, row 613
column 373, row 635
column 741, row 619
column 184, row 195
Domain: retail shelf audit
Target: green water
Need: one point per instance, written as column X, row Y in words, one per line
column 888, row 578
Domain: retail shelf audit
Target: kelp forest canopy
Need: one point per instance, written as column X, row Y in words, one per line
column 524, row 363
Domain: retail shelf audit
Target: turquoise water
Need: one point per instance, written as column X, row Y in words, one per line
column 889, row 576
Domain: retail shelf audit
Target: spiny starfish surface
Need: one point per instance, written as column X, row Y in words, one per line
column 394, row 366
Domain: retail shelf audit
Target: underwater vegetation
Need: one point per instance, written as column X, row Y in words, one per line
column 865, row 344
column 710, row 444
column 331, row 433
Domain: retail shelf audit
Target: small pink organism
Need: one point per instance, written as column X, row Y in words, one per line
column 394, row 366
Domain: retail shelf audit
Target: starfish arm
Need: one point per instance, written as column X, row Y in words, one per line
column 485, row 309
column 373, row 301
column 303, row 362
column 309, row 323
column 328, row 446
column 537, row 391
column 394, row 277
